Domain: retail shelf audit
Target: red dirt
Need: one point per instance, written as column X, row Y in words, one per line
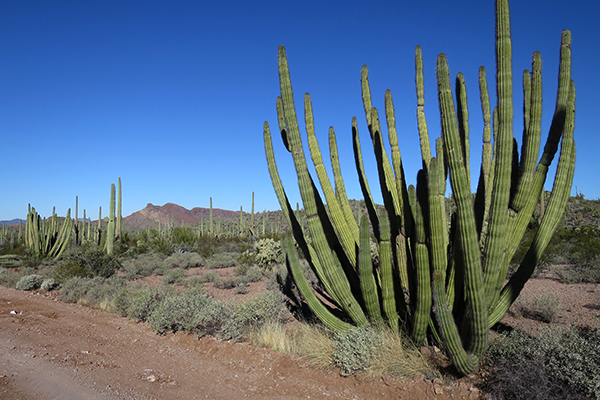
column 54, row 350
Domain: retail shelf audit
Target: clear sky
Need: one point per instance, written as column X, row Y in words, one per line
column 171, row 96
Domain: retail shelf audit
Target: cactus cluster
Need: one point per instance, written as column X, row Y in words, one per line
column 47, row 237
column 442, row 269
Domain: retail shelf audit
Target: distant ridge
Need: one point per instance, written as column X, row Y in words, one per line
column 15, row 221
column 151, row 215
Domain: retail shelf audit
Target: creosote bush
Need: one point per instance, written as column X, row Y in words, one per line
column 560, row 363
column 29, row 282
column 192, row 311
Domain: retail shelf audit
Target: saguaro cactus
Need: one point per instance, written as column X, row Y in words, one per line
column 435, row 260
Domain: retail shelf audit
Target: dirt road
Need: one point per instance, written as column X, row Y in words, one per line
column 54, row 350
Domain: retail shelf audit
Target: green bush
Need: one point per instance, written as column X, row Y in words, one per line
column 561, row 363
column 76, row 288
column 191, row 311
column 9, row 278
column 587, row 271
column 354, row 350
column 87, row 260
column 94, row 292
column 29, row 282
column 183, row 260
column 174, row 276
column 67, row 270
column 222, row 260
column 184, row 238
column 145, row 301
column 268, row 307
column 226, row 283
column 241, row 288
column 143, row 265
column 254, row 274
column 543, row 308
column 48, row 284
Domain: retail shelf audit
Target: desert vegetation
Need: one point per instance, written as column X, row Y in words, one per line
column 365, row 288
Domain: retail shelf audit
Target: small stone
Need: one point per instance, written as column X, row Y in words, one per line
column 152, row 378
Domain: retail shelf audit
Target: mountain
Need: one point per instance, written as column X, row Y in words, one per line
column 13, row 222
column 151, row 215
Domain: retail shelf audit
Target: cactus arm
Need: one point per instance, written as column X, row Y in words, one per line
column 495, row 242
column 314, row 303
column 463, row 121
column 110, row 231
column 344, row 231
column 362, row 178
column 467, row 232
column 340, row 188
column 367, row 279
column 554, row 213
column 388, row 296
column 311, row 199
column 286, row 208
column 422, row 302
column 483, row 196
column 531, row 133
column 421, row 121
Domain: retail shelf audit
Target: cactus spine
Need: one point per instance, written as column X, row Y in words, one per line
column 434, row 261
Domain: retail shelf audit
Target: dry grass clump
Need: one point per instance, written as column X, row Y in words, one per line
column 397, row 355
column 394, row 353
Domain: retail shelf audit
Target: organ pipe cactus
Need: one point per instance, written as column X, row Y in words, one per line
column 44, row 236
column 442, row 272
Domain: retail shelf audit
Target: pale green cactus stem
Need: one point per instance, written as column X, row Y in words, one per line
column 110, row 231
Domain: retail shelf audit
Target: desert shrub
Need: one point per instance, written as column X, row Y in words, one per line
column 29, row 282
column 210, row 276
column 95, row 292
column 222, row 260
column 88, row 260
column 543, row 308
column 184, row 238
column 354, row 350
column 254, row 274
column 77, row 288
column 121, row 302
column 67, row 270
column 145, row 301
column 586, row 271
column 183, row 260
column 143, row 265
column 48, row 284
column 174, row 276
column 9, row 278
column 226, row 283
column 268, row 307
column 195, row 282
column 241, row 288
column 561, row 363
column 191, row 311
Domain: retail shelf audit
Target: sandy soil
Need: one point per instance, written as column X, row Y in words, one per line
column 54, row 350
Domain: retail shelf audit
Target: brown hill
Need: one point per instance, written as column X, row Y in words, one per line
column 151, row 215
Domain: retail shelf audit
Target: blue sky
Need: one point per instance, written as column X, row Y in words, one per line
column 172, row 96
